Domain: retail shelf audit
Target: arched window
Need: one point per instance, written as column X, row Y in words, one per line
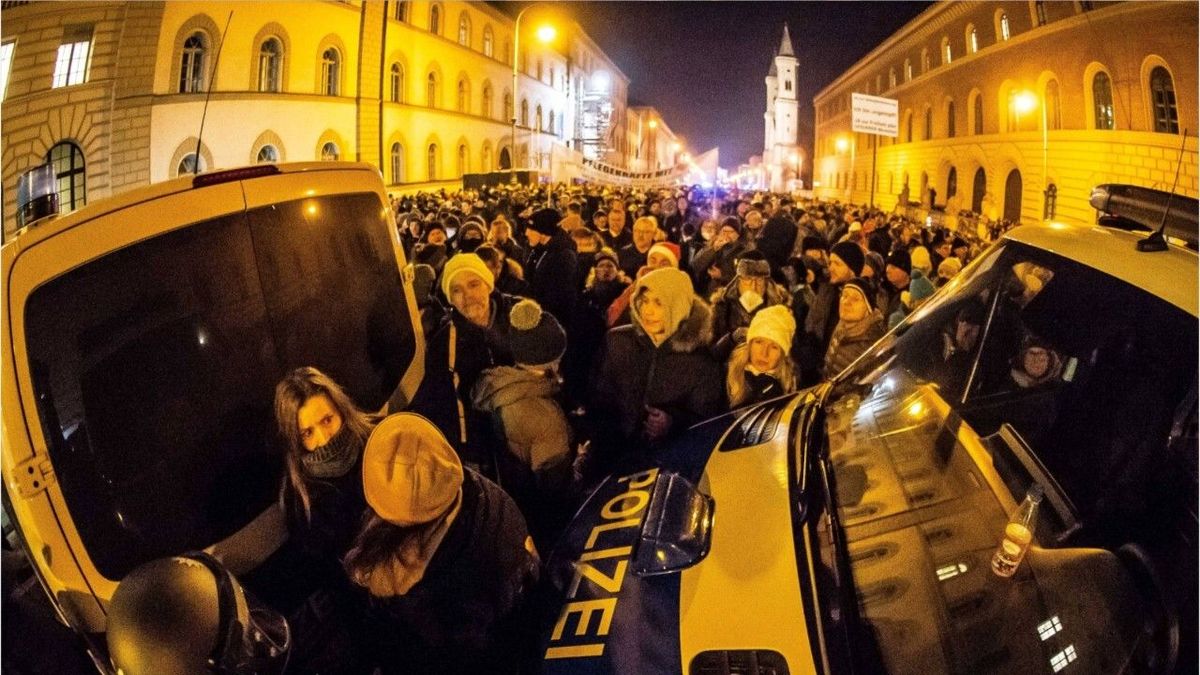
column 1162, row 92
column 1053, row 106
column 1005, row 31
column 524, row 113
column 550, row 122
column 397, row 80
column 508, row 106
column 331, row 65
column 330, row 152
column 397, row 163
column 402, row 11
column 431, row 161
column 486, row 108
column 486, row 159
column 488, row 40
column 540, row 71
column 947, row 53
column 972, row 40
column 537, row 118
column 908, row 129
column 67, row 160
column 462, row 159
column 464, row 30
column 462, row 99
column 431, row 90
column 1040, row 7
column 191, row 70
column 891, row 78
column 952, row 183
column 187, row 166
column 924, row 61
column 907, row 70
column 505, row 159
column 267, row 154
column 950, row 121
column 928, row 123
column 978, row 110
column 1102, row 101
column 435, row 20
column 270, row 65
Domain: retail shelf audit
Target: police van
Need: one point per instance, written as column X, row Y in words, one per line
column 852, row 527
column 142, row 339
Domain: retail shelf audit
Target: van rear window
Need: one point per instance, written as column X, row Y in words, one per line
column 154, row 367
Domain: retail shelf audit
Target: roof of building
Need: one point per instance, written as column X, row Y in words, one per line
column 785, row 45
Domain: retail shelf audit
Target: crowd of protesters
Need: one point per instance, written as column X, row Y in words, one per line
column 569, row 332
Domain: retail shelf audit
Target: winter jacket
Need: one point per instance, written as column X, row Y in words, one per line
column 679, row 377
column 759, row 387
column 851, row 340
column 630, row 260
column 723, row 258
column 336, row 507
column 534, row 428
column 551, row 275
column 478, row 575
column 729, row 315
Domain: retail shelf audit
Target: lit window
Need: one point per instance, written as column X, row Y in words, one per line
column 487, row 41
column 892, row 78
column 946, row 52
column 537, row 118
column 1061, row 659
column 190, row 165
column 1162, row 90
column 435, row 20
column 191, row 66
column 462, row 96
column 950, row 571
column 431, row 90
column 6, row 53
column 67, row 159
column 973, row 40
column 508, row 106
column 431, row 161
column 330, row 152
column 524, row 113
column 267, row 154
column 550, row 125
column 397, row 79
column 1049, row 628
column 71, row 65
column 270, row 65
column 464, row 30
column 1004, row 30
column 1053, row 107
column 330, row 72
column 907, row 70
column 486, row 109
column 1102, row 101
column 462, row 160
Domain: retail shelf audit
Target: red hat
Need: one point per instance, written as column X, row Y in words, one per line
column 668, row 249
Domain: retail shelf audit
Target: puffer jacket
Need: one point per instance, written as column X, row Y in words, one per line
column 531, row 421
column 851, row 340
column 679, row 377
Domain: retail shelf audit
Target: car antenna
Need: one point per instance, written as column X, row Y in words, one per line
column 1156, row 241
column 208, row 95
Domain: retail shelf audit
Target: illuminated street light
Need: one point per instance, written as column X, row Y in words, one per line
column 653, row 124
column 600, row 80
column 841, row 144
column 545, row 33
column 1024, row 102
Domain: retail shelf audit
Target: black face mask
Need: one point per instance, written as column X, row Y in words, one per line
column 335, row 458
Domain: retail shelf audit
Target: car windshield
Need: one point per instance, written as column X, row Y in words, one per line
column 1029, row 368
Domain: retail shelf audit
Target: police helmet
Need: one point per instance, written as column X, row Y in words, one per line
column 188, row 614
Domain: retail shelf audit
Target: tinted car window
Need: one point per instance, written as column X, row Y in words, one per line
column 154, row 367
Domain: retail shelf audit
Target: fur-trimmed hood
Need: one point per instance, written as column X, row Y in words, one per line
column 694, row 332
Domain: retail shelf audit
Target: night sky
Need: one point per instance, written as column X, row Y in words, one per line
column 702, row 64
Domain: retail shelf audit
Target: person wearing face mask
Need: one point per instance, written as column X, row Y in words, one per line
column 860, row 324
column 693, row 245
column 470, row 236
column 658, row 376
column 751, row 290
column 761, row 368
column 713, row 265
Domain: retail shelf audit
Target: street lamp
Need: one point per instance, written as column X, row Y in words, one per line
column 1024, row 102
column 545, row 33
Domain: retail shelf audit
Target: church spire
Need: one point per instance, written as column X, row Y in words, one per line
column 785, row 45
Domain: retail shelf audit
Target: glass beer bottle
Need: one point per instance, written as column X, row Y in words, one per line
column 1018, row 534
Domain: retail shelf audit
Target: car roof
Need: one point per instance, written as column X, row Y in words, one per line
column 46, row 228
column 1170, row 275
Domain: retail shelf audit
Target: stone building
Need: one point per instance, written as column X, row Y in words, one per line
column 115, row 94
column 782, row 154
column 1017, row 109
column 652, row 145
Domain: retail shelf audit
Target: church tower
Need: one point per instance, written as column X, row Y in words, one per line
column 782, row 118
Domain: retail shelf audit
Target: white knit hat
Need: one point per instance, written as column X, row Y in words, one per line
column 774, row 323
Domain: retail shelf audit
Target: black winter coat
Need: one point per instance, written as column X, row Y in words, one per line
column 551, row 275
column 679, row 377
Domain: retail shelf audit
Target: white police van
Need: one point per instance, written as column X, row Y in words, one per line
column 143, row 336
column 850, row 528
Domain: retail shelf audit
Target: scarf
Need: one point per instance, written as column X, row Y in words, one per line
column 335, row 458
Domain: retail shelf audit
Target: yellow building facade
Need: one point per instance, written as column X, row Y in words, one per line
column 1016, row 109
column 116, row 94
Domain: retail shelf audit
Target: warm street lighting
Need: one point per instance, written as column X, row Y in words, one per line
column 841, row 144
column 653, row 124
column 676, row 146
column 545, row 33
column 1024, row 102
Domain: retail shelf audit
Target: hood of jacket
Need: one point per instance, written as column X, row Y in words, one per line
column 694, row 332
column 505, row 385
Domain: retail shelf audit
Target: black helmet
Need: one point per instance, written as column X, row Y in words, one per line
column 188, row 614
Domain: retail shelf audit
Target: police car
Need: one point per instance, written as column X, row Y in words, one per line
column 142, row 340
column 851, row 527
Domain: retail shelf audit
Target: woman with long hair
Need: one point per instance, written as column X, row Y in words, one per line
column 323, row 434
column 761, row 368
